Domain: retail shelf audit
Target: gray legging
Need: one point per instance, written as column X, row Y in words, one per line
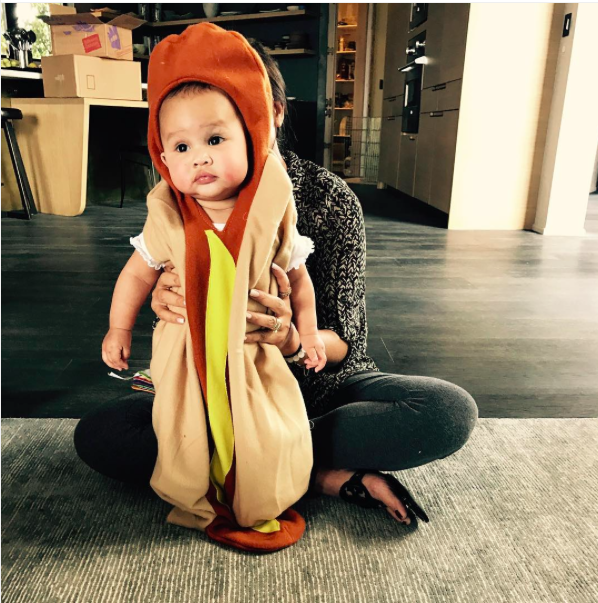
column 380, row 421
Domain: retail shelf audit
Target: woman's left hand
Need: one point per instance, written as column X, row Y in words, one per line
column 281, row 309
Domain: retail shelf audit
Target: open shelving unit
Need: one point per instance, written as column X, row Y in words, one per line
column 291, row 52
column 155, row 27
column 349, row 82
column 241, row 17
column 285, row 52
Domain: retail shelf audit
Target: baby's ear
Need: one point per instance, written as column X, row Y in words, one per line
column 163, row 158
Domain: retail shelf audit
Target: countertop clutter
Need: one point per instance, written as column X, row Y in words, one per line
column 92, row 55
column 91, row 71
column 92, row 104
column 20, row 42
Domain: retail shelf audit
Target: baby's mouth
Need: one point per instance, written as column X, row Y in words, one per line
column 204, row 179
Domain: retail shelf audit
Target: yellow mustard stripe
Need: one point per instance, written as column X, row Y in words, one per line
column 220, row 292
column 268, row 526
column 219, row 300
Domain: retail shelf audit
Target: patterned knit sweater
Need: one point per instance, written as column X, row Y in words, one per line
column 330, row 214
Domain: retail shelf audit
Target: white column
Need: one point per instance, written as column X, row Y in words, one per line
column 572, row 132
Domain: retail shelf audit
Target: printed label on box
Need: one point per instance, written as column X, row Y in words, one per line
column 84, row 27
column 91, row 43
column 114, row 37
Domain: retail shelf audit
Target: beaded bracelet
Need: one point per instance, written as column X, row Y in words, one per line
column 298, row 355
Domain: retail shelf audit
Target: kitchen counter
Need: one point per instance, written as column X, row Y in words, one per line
column 54, row 140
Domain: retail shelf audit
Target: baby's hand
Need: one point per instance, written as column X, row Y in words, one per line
column 116, row 348
column 314, row 350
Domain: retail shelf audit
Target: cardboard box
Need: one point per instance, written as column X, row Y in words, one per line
column 87, row 34
column 76, row 76
column 105, row 14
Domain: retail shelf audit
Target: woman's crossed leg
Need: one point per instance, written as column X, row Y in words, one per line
column 380, row 421
column 389, row 422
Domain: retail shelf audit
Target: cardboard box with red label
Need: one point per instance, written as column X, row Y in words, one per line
column 87, row 34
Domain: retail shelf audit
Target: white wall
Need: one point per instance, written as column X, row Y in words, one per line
column 505, row 103
column 572, row 129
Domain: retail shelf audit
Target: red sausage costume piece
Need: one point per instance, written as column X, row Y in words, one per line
column 234, row 446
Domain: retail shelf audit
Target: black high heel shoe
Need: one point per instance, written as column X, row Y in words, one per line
column 353, row 491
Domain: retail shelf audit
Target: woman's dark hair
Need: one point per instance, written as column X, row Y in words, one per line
column 279, row 90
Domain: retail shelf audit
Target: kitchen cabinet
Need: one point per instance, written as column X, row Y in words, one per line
column 426, row 145
column 443, row 162
column 393, row 107
column 390, row 137
column 445, row 43
column 407, row 155
column 429, row 100
column 396, row 43
column 435, row 25
column 421, row 164
column 442, row 97
column 454, row 39
column 448, row 96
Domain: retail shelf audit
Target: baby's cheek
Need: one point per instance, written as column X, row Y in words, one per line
column 181, row 179
column 243, row 167
column 236, row 174
column 230, row 176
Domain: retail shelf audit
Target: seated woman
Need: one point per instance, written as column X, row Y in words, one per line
column 363, row 421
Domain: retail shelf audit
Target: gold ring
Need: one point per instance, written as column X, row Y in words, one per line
column 285, row 294
column 277, row 324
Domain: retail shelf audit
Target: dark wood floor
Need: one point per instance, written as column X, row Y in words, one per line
column 510, row 316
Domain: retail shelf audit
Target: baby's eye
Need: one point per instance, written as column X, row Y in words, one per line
column 217, row 139
column 181, row 148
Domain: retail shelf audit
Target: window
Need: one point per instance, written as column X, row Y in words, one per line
column 4, row 42
column 26, row 14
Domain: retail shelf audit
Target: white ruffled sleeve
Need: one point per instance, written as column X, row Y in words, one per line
column 302, row 247
column 140, row 246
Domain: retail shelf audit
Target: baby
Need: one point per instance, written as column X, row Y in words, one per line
column 206, row 152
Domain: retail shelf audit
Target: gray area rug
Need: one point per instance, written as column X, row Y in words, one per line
column 513, row 517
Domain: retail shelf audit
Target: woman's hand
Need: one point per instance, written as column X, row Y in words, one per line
column 281, row 309
column 162, row 296
column 116, row 348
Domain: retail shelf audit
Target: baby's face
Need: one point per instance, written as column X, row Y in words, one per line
column 204, row 145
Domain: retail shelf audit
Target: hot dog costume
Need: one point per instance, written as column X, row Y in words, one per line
column 234, row 446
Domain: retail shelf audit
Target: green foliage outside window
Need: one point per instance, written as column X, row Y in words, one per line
column 27, row 14
column 4, row 42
